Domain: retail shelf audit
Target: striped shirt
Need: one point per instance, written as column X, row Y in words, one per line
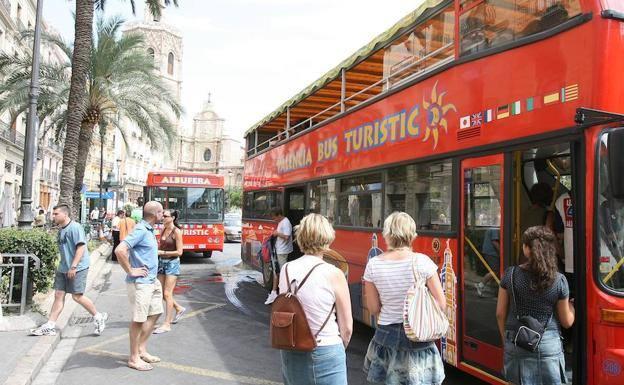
column 392, row 278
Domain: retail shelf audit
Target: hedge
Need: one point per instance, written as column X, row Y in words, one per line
column 37, row 242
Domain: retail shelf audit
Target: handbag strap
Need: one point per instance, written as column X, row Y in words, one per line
column 417, row 278
column 302, row 281
column 326, row 320
column 513, row 292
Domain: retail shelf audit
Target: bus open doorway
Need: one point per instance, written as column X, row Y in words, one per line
column 294, row 210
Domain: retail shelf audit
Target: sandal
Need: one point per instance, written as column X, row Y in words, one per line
column 161, row 330
column 178, row 316
column 141, row 367
column 149, row 358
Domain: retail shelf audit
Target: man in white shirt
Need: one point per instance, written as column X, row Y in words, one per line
column 94, row 214
column 283, row 247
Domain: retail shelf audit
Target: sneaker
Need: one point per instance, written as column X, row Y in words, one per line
column 43, row 330
column 100, row 323
column 480, row 287
column 271, row 298
column 178, row 316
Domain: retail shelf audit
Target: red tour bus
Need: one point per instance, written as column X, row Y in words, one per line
column 455, row 115
column 199, row 200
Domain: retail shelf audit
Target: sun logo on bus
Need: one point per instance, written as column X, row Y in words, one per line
column 436, row 111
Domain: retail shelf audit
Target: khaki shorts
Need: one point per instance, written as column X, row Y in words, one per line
column 145, row 300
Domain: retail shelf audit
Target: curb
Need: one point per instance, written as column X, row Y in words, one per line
column 29, row 366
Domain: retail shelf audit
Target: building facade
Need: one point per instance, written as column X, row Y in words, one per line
column 17, row 16
column 208, row 147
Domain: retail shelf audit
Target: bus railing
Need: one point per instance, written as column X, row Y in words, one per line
column 342, row 104
column 10, row 281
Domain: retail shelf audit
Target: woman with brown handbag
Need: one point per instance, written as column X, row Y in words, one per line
column 325, row 287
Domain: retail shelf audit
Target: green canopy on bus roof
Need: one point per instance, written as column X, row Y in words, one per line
column 395, row 31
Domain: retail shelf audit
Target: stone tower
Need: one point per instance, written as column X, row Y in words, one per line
column 164, row 43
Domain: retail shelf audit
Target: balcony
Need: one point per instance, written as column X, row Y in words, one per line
column 21, row 27
column 5, row 7
column 9, row 135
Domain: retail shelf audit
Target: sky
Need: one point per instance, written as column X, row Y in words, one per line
column 253, row 55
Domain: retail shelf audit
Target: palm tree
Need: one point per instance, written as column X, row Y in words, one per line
column 76, row 106
column 120, row 81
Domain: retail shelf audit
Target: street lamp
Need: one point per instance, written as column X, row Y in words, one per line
column 26, row 215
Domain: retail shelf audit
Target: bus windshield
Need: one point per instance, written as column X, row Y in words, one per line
column 195, row 204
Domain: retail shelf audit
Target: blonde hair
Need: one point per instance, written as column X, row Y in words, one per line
column 314, row 234
column 399, row 230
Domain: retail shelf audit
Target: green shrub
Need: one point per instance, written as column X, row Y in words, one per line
column 37, row 242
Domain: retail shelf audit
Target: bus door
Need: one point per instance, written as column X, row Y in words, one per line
column 294, row 210
column 482, row 261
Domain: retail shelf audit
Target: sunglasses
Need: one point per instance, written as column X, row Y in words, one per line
column 166, row 216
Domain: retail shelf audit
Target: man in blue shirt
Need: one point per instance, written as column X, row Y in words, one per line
column 138, row 256
column 71, row 275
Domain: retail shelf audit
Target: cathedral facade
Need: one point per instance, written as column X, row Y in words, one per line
column 208, row 147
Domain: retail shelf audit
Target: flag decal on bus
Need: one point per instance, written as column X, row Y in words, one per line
column 488, row 116
column 569, row 93
column 464, row 122
column 551, row 98
column 502, row 112
column 515, row 108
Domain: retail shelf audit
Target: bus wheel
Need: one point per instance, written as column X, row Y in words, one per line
column 207, row 254
column 267, row 275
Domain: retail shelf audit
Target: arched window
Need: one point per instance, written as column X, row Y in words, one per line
column 150, row 51
column 170, row 64
column 207, row 155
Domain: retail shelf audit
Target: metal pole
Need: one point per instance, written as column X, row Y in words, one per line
column 101, row 164
column 343, row 89
column 26, row 215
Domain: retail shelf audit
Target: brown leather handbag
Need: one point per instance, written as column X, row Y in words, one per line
column 289, row 326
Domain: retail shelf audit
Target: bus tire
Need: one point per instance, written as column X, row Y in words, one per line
column 267, row 275
column 207, row 254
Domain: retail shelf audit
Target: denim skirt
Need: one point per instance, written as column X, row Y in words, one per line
column 393, row 359
column 325, row 365
column 543, row 367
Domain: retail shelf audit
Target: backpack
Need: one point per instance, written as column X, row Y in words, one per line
column 423, row 320
column 267, row 250
column 289, row 326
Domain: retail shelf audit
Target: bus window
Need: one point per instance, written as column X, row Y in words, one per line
column 359, row 203
column 496, row 22
column 259, row 203
column 610, row 211
column 204, row 203
column 427, row 46
column 322, row 198
column 424, row 192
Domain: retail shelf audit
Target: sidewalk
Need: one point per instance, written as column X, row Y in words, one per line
column 20, row 364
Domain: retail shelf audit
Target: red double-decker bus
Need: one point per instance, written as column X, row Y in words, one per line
column 454, row 115
column 199, row 200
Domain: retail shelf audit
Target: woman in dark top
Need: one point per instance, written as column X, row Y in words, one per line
column 170, row 248
column 541, row 292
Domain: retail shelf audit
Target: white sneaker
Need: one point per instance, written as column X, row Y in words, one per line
column 480, row 287
column 100, row 323
column 43, row 330
column 271, row 298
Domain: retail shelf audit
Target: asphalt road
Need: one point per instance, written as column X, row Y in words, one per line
column 223, row 339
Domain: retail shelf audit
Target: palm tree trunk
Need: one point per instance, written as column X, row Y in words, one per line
column 84, row 145
column 77, row 98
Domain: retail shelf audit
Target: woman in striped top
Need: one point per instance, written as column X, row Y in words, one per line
column 392, row 358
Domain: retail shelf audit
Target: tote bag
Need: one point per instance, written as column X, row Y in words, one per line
column 423, row 320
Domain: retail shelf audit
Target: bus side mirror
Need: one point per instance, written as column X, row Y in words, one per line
column 615, row 158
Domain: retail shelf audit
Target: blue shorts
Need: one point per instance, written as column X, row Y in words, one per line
column 169, row 266
column 77, row 285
